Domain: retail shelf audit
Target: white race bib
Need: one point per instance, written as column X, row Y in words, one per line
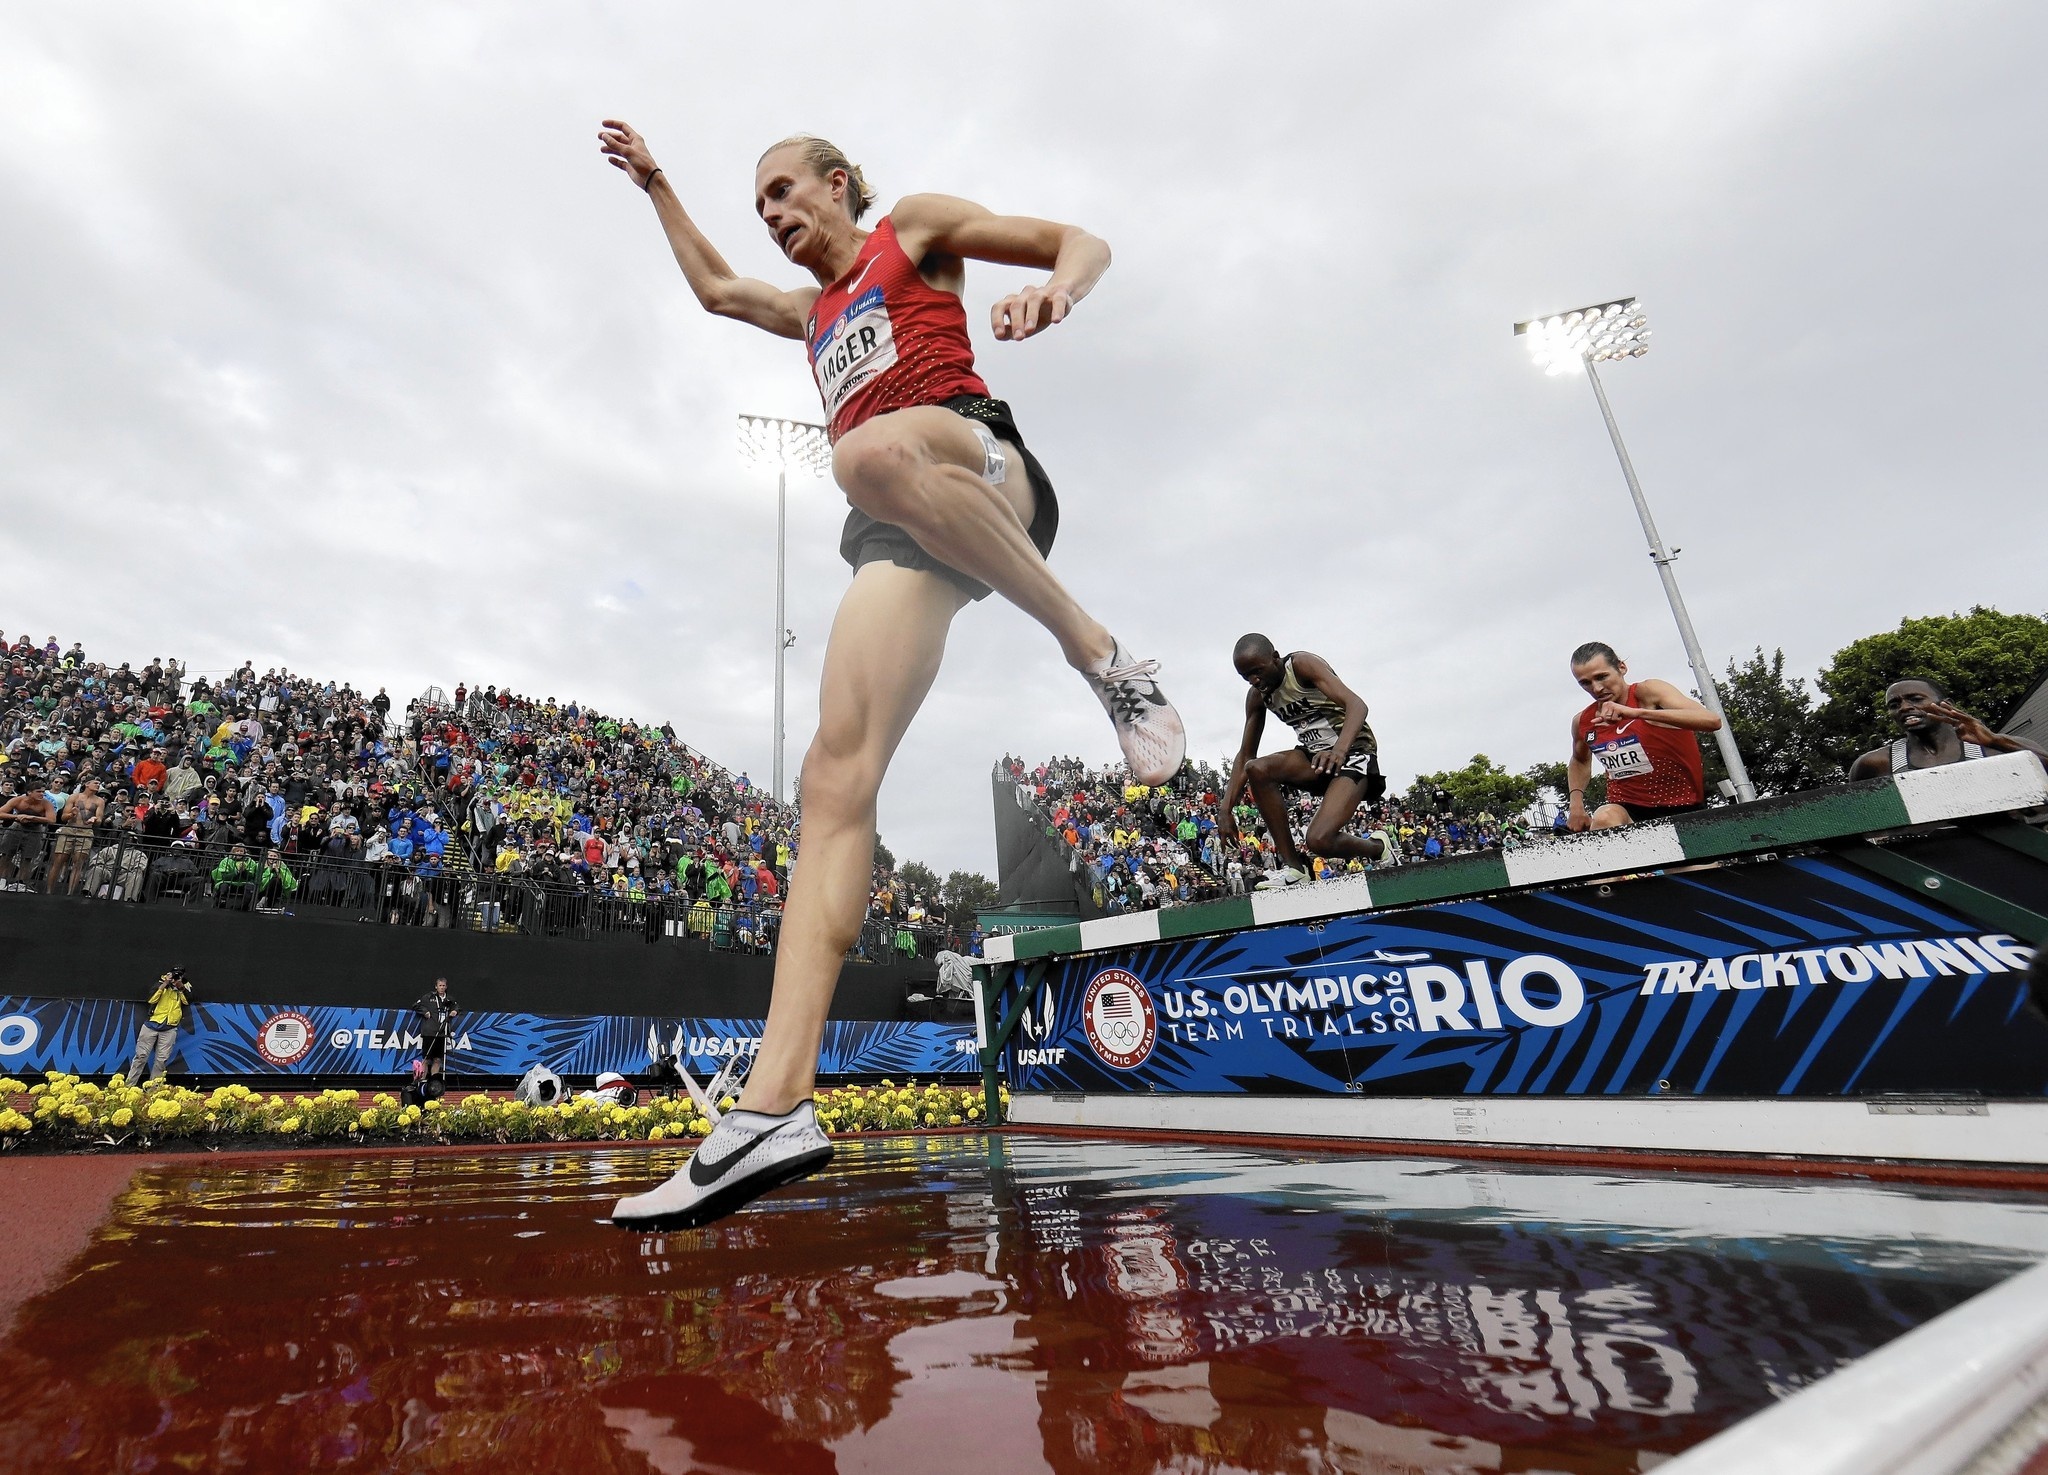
column 1623, row 758
column 858, row 346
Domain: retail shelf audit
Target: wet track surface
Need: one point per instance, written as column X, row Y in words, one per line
column 958, row 1304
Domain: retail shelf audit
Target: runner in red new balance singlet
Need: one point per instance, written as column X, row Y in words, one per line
column 947, row 504
column 1644, row 734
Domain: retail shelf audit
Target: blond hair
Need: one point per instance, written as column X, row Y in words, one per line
column 824, row 157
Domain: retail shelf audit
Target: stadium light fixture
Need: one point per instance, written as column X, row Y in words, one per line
column 1606, row 332
column 1596, row 334
column 786, row 445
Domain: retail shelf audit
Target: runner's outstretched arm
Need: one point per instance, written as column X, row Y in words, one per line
column 1578, row 774
column 718, row 287
column 956, row 227
column 1247, row 749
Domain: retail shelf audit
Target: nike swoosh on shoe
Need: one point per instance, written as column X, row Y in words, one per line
column 725, row 1164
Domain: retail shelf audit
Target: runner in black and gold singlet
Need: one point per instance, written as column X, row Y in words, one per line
column 1336, row 756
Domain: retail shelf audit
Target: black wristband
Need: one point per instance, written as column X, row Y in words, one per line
column 649, row 185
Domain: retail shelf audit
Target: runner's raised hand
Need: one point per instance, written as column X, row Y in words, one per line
column 1033, row 310
column 627, row 150
column 1968, row 728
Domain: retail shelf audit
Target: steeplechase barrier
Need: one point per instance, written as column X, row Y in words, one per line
column 1838, row 974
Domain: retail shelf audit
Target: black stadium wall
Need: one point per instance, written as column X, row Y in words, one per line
column 1031, row 867
column 53, row 947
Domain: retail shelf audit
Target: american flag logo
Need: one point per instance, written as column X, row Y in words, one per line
column 1118, row 1019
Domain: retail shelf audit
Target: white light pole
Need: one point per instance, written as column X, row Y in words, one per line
column 1605, row 332
column 786, row 445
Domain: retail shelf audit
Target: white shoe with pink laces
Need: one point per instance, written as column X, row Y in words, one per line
column 1149, row 731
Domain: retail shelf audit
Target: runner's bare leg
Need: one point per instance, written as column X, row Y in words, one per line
column 886, row 644
column 1269, row 778
column 1326, row 835
column 920, row 469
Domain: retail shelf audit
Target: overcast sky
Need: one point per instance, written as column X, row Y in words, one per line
column 330, row 341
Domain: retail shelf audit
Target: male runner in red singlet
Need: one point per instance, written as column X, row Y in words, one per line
column 1642, row 733
column 947, row 505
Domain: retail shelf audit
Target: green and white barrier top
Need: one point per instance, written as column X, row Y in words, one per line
column 1981, row 787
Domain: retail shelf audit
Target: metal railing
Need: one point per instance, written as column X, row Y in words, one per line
column 118, row 867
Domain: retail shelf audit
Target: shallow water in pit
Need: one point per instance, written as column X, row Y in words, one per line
column 963, row 1304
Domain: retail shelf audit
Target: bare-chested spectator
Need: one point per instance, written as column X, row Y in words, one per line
column 82, row 811
column 25, row 823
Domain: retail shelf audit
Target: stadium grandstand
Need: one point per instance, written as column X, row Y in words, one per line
column 1135, row 847
column 482, row 809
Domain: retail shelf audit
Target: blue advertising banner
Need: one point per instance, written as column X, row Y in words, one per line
column 95, row 1037
column 1789, row 978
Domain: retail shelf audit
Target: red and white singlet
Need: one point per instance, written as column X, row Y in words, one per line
column 883, row 338
column 1645, row 764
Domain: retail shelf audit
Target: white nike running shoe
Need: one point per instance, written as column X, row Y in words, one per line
column 747, row 1154
column 1147, row 728
column 1282, row 877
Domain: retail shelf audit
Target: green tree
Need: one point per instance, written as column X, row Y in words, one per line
column 1772, row 718
column 1986, row 659
column 966, row 893
column 1554, row 777
column 884, row 856
column 919, row 878
column 1481, row 784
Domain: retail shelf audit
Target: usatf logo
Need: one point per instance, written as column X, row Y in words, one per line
column 1117, row 1017
column 1039, row 1016
column 1039, row 1020
column 285, row 1038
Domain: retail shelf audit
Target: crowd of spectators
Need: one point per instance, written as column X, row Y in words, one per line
column 118, row 780
column 1142, row 847
column 571, row 796
column 486, row 809
column 561, row 794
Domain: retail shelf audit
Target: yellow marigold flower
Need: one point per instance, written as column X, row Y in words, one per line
column 122, row 1117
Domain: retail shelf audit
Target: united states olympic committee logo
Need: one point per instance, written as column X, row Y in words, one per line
column 1117, row 1017
column 284, row 1039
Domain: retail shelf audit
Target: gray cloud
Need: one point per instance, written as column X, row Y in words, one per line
column 331, row 342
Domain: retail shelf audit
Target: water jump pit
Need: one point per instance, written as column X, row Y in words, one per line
column 961, row 1303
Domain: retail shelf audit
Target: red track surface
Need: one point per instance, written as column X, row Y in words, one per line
column 49, row 1207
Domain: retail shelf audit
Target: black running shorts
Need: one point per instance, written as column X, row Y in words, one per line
column 1638, row 813
column 1361, row 764
column 865, row 540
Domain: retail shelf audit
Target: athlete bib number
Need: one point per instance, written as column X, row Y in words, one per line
column 1623, row 758
column 857, row 347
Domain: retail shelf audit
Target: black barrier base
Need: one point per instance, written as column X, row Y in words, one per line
column 59, row 947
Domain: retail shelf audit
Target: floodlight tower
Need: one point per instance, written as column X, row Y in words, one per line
column 786, row 445
column 1604, row 333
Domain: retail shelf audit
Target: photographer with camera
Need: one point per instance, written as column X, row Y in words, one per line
column 437, row 1012
column 158, row 1036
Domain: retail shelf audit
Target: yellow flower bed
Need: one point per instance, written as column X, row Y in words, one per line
column 63, row 1109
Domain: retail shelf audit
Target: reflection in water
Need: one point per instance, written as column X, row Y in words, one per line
column 958, row 1304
